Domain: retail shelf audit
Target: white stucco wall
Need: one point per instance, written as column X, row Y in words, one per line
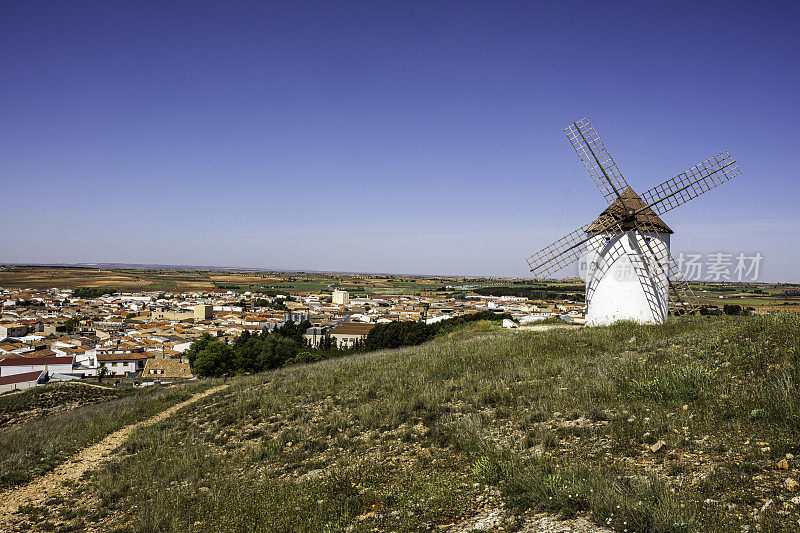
column 22, row 368
column 120, row 368
column 619, row 285
column 17, row 386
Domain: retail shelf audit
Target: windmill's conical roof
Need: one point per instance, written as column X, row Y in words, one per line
column 632, row 201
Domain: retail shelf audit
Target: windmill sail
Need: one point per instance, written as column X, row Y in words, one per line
column 568, row 249
column 596, row 159
column 662, row 262
column 691, row 183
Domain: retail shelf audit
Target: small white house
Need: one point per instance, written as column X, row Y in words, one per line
column 527, row 319
column 85, row 363
column 23, row 381
column 10, row 366
column 123, row 364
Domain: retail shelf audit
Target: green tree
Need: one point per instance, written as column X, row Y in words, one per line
column 215, row 360
column 71, row 324
column 241, row 339
column 197, row 346
column 287, row 330
column 732, row 309
column 275, row 352
column 93, row 292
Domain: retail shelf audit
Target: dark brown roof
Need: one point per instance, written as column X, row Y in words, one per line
column 632, row 201
column 352, row 328
column 25, row 361
column 21, row 378
column 125, row 356
column 39, row 353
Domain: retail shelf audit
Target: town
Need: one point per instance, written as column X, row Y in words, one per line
column 137, row 332
column 51, row 335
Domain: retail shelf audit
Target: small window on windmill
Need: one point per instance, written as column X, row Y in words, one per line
column 608, row 239
column 647, row 239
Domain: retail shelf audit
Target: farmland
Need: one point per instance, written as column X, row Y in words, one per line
column 143, row 280
column 766, row 297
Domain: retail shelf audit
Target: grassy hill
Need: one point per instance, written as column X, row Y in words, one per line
column 37, row 433
column 689, row 426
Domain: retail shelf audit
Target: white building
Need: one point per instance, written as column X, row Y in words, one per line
column 22, row 381
column 625, row 279
column 123, row 364
column 14, row 330
column 341, row 297
column 10, row 366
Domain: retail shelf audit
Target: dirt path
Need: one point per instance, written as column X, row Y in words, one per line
column 493, row 520
column 545, row 327
column 95, row 385
column 52, row 483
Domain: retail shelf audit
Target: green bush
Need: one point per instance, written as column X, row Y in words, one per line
column 398, row 334
column 93, row 292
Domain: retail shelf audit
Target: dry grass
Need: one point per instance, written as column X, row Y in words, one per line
column 419, row 438
column 36, row 446
column 19, row 407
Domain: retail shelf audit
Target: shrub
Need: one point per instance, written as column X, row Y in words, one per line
column 93, row 292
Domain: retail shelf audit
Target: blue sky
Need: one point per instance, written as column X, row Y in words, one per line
column 419, row 137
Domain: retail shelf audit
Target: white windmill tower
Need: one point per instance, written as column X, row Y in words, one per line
column 629, row 270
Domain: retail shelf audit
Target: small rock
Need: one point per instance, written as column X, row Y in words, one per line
column 795, row 500
column 790, row 456
column 790, row 484
column 767, row 505
column 783, row 464
column 657, row 446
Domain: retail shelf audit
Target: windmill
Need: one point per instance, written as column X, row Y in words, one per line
column 625, row 250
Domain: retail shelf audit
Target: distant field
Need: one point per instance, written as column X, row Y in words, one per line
column 357, row 284
column 158, row 280
column 125, row 280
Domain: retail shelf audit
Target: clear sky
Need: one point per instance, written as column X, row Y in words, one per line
column 415, row 137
